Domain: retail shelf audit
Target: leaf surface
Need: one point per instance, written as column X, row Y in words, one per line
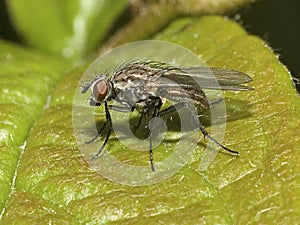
column 50, row 181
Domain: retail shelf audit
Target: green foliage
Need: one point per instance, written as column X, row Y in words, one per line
column 70, row 28
column 48, row 181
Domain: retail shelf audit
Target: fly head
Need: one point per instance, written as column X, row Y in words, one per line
column 101, row 90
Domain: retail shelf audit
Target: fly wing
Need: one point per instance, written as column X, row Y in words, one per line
column 192, row 80
column 178, row 92
column 210, row 78
column 141, row 78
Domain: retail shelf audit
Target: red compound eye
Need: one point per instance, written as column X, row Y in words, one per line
column 100, row 89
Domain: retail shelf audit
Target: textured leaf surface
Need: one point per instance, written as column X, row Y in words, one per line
column 54, row 184
column 27, row 78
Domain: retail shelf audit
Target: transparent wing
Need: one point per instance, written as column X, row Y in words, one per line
column 210, row 78
column 180, row 93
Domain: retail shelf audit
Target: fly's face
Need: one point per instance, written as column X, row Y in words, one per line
column 101, row 90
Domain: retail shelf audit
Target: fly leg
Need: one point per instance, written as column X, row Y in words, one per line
column 108, row 121
column 204, row 132
column 201, row 127
column 156, row 103
column 120, row 108
column 99, row 133
column 127, row 109
column 178, row 106
column 139, row 122
column 113, row 107
column 149, row 107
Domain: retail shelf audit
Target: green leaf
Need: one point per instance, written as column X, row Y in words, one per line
column 69, row 28
column 27, row 77
column 51, row 183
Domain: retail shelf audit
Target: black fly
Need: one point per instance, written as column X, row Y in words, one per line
column 136, row 85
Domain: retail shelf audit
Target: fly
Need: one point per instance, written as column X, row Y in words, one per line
column 136, row 85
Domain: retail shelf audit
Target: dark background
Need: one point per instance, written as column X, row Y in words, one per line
column 278, row 23
column 275, row 21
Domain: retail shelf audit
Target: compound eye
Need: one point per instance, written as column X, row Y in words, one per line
column 100, row 89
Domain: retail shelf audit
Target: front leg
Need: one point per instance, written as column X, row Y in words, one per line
column 121, row 108
column 109, row 122
column 108, row 118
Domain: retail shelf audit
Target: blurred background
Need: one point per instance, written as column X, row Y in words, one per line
column 278, row 23
column 275, row 21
